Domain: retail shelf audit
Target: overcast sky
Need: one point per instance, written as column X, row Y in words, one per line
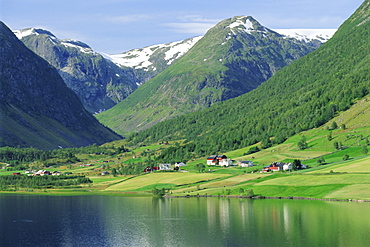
column 115, row 26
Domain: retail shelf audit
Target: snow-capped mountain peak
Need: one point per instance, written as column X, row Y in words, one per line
column 31, row 31
column 245, row 24
column 142, row 58
column 83, row 47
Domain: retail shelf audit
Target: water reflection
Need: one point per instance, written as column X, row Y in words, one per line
column 120, row 221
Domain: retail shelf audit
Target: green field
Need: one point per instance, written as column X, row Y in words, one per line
column 173, row 178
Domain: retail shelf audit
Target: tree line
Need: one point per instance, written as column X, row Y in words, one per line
column 15, row 182
column 19, row 157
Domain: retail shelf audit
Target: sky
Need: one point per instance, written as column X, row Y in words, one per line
column 116, row 26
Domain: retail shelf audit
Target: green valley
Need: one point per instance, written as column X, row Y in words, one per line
column 336, row 178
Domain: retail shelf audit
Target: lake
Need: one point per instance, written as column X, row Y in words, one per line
column 131, row 221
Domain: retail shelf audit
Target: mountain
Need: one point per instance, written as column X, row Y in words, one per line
column 98, row 82
column 301, row 96
column 149, row 61
column 233, row 58
column 37, row 108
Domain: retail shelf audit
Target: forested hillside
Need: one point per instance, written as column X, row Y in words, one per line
column 303, row 95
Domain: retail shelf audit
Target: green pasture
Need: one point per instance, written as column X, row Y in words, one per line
column 317, row 191
column 357, row 165
column 176, row 178
column 157, row 186
column 106, row 180
column 216, row 186
column 314, row 180
column 354, row 191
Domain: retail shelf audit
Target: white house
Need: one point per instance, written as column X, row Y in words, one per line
column 164, row 166
column 245, row 163
column 179, row 164
column 225, row 162
column 287, row 166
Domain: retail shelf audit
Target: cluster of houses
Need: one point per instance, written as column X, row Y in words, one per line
column 280, row 166
column 222, row 160
column 164, row 167
column 42, row 173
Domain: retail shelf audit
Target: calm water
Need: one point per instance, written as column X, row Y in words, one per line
column 121, row 221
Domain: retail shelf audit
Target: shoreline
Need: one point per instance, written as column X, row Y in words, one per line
column 271, row 197
column 134, row 194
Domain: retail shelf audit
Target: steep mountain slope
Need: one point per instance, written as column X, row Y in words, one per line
column 98, row 82
column 149, row 61
column 303, row 95
column 37, row 108
column 234, row 57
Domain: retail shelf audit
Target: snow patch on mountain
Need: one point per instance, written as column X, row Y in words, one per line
column 137, row 58
column 140, row 58
column 66, row 42
column 179, row 49
column 242, row 25
column 307, row 34
column 25, row 32
column 77, row 45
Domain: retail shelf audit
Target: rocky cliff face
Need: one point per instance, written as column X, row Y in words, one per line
column 98, row 82
column 37, row 108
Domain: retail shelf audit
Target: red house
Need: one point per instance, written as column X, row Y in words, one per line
column 275, row 166
column 148, row 169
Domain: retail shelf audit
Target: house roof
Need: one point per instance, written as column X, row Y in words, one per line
column 212, row 157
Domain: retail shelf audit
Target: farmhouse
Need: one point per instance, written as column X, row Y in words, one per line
column 148, row 169
column 217, row 160
column 103, row 173
column 42, row 173
column 245, row 163
column 278, row 166
column 178, row 164
column 164, row 166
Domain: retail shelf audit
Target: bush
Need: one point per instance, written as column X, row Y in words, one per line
column 346, row 157
column 249, row 193
column 321, row 160
column 158, row 192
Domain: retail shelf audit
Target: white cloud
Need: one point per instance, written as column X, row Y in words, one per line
column 191, row 28
column 192, row 24
column 197, row 18
column 127, row 18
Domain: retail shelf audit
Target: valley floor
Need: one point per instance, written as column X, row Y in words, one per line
column 349, row 181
